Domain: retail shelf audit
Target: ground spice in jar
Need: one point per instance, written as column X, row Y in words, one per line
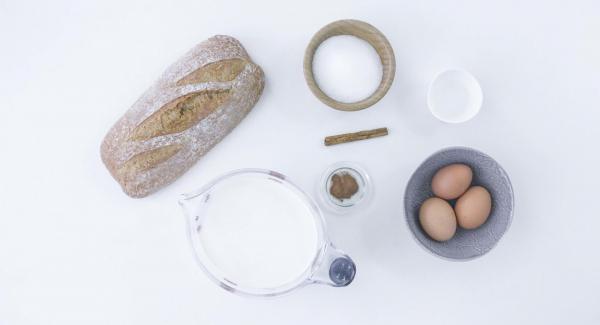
column 343, row 186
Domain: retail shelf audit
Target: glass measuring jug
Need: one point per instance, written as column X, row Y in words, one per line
column 254, row 232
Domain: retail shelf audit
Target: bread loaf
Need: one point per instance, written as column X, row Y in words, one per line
column 194, row 104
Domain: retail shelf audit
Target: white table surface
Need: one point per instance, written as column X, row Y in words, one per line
column 75, row 250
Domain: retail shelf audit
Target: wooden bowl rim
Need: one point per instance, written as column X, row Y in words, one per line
column 365, row 32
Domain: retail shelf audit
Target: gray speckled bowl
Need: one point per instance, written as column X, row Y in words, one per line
column 466, row 244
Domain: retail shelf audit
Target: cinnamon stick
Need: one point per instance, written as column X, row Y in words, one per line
column 355, row 136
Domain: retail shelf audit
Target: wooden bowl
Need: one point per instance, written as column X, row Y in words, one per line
column 365, row 32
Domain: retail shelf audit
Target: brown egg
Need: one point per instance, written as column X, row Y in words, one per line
column 451, row 181
column 437, row 219
column 473, row 208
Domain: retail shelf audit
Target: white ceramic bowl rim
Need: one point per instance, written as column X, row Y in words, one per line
column 468, row 78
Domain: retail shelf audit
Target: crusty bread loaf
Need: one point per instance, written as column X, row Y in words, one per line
column 196, row 102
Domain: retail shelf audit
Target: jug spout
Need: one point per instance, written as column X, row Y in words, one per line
column 336, row 269
column 185, row 202
column 191, row 204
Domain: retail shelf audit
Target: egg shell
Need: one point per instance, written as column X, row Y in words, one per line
column 473, row 208
column 451, row 181
column 437, row 219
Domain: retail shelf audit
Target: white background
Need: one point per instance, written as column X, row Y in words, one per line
column 75, row 250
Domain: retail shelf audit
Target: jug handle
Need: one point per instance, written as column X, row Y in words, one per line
column 336, row 269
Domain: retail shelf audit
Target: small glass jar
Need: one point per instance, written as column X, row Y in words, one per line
column 344, row 205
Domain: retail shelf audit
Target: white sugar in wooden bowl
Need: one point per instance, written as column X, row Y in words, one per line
column 365, row 32
column 347, row 68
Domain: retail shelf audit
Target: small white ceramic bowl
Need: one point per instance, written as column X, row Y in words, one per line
column 454, row 96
